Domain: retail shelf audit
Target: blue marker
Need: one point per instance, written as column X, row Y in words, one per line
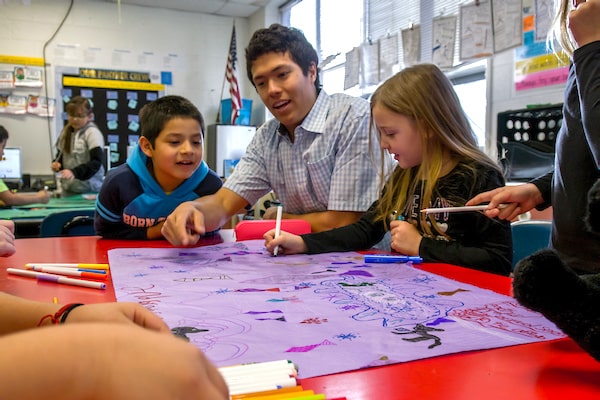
column 389, row 259
column 396, row 216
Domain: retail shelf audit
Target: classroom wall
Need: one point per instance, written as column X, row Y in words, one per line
column 199, row 41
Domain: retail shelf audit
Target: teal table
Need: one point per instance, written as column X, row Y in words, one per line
column 29, row 217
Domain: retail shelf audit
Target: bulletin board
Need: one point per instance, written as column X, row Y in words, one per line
column 21, row 85
column 116, row 105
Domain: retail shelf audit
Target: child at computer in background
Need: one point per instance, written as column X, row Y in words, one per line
column 80, row 150
column 421, row 123
column 164, row 170
column 9, row 198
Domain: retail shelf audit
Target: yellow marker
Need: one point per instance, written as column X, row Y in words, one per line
column 55, row 301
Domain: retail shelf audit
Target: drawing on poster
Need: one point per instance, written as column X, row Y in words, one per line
column 327, row 313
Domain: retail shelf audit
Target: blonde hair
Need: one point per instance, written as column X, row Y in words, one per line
column 424, row 94
column 560, row 31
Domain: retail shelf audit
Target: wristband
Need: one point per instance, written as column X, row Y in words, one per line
column 61, row 315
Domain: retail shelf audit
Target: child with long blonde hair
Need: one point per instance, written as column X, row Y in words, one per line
column 420, row 122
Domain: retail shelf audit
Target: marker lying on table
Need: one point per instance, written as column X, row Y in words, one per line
column 43, row 276
column 68, row 265
column 83, row 273
column 40, row 268
column 459, row 209
column 260, row 385
column 388, row 259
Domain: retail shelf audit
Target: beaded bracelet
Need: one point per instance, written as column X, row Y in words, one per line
column 61, row 315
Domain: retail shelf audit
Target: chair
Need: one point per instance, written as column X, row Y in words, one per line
column 255, row 229
column 528, row 237
column 68, row 223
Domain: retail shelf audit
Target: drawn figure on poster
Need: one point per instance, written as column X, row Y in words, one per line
column 422, row 333
column 395, row 305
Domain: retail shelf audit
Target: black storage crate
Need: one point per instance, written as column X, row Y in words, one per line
column 526, row 140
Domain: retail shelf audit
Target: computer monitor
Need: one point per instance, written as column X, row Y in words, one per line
column 11, row 165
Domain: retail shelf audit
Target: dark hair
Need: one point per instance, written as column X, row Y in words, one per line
column 3, row 134
column 154, row 115
column 282, row 39
column 77, row 102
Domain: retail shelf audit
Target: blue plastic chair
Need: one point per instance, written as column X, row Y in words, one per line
column 68, row 223
column 528, row 237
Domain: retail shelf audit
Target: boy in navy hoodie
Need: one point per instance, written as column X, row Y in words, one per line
column 164, row 170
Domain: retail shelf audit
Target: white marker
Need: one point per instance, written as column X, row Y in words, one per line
column 278, row 227
column 458, row 209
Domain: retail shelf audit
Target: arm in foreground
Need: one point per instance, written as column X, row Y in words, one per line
column 7, row 238
column 105, row 361
column 18, row 314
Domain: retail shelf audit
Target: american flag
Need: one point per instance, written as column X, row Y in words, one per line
column 231, row 76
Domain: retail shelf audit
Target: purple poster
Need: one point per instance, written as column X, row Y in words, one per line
column 327, row 313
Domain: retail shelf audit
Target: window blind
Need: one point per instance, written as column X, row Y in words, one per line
column 392, row 16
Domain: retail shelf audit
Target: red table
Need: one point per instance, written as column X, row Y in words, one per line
column 549, row 370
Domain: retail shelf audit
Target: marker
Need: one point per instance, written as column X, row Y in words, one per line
column 251, row 379
column 260, row 365
column 302, row 395
column 289, row 392
column 36, row 267
column 71, row 272
column 395, row 215
column 278, row 227
column 259, row 386
column 43, row 276
column 71, row 281
column 68, row 265
column 389, row 259
column 458, row 209
column 243, row 374
column 55, row 301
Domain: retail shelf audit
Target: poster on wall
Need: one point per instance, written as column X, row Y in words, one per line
column 7, row 80
column 411, row 45
column 40, row 105
column 444, row 40
column 507, row 18
column 352, row 70
column 12, row 104
column 369, row 64
column 388, row 56
column 26, row 76
column 537, row 66
column 544, row 14
column 476, row 39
